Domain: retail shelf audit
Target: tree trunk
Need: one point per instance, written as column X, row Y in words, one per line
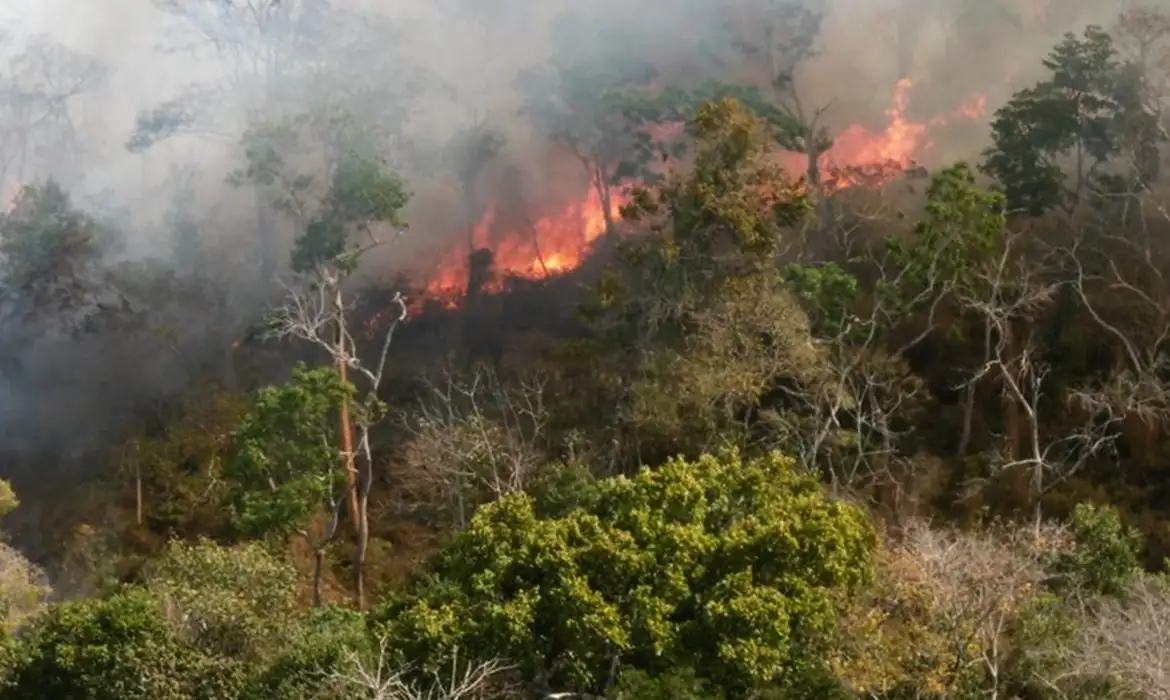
column 318, row 569
column 363, row 539
column 969, row 397
column 138, row 488
column 345, row 427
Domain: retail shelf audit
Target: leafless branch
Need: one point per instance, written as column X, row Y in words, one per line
column 1125, row 641
column 380, row 680
column 477, row 438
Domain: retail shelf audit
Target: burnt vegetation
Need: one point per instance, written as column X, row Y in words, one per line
column 787, row 427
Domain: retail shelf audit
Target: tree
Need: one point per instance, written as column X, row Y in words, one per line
column 941, row 621
column 780, row 34
column 1103, row 560
column 572, row 99
column 178, row 475
column 52, row 259
column 380, row 680
column 728, row 566
column 697, row 300
column 321, row 646
column 1142, row 32
column 475, row 440
column 260, row 44
column 1120, row 642
column 362, row 197
column 39, row 87
column 1092, row 111
column 285, row 470
column 236, row 602
column 117, row 648
column 23, row 585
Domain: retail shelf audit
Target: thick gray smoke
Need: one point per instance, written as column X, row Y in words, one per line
column 181, row 80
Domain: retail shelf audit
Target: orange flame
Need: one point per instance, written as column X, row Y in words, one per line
column 860, row 156
column 553, row 245
column 559, row 242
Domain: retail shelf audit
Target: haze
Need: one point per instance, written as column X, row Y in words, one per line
column 61, row 396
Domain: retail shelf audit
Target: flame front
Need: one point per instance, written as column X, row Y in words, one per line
column 860, row 156
column 559, row 242
column 552, row 245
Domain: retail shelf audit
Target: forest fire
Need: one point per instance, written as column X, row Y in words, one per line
column 551, row 245
column 558, row 242
column 860, row 157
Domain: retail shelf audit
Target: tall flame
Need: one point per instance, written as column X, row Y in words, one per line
column 559, row 242
column 551, row 245
column 882, row 155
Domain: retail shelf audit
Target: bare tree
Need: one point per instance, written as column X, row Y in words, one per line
column 852, row 419
column 1014, row 291
column 477, row 439
column 1132, row 276
column 380, row 680
column 981, row 581
column 1124, row 641
column 946, row 602
column 318, row 313
column 39, row 85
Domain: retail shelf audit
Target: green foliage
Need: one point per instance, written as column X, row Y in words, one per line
column 324, row 168
column 181, row 470
column 23, row 585
column 8, row 500
column 362, row 193
column 724, row 219
column 1105, row 558
column 226, row 601
column 680, row 684
column 24, row 589
column 787, row 129
column 830, row 294
column 728, row 566
column 732, row 197
column 117, row 648
column 962, row 231
column 697, row 301
column 586, row 101
column 318, row 647
column 963, row 224
column 170, row 118
column 1092, row 108
column 287, row 465
column 49, row 254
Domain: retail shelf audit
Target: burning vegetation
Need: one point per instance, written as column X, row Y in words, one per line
column 559, row 240
column 499, row 350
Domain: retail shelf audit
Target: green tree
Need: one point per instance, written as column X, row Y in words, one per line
column 342, row 213
column 1053, row 143
column 1104, row 559
column 321, row 643
column 237, row 602
column 117, row 648
column 949, row 265
column 23, row 585
column 697, row 300
column 576, row 99
column 178, row 474
column 285, row 471
column 51, row 256
column 732, row 567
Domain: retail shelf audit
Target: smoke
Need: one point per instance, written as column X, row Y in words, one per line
column 205, row 71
